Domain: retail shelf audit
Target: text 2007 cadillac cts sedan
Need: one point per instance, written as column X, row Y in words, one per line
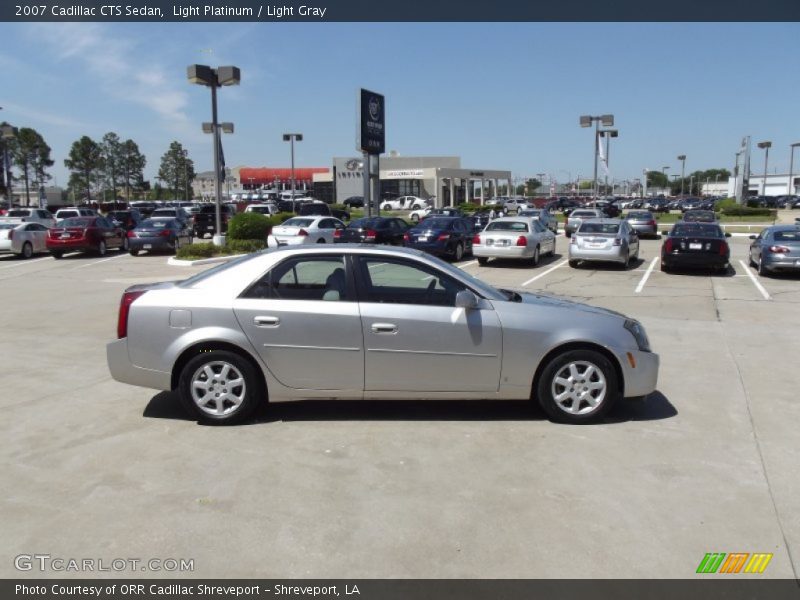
column 371, row 322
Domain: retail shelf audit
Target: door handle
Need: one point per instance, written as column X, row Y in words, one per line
column 267, row 321
column 384, row 328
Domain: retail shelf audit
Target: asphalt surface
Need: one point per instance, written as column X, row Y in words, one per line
column 97, row 469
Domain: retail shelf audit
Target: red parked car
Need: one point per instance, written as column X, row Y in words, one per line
column 85, row 234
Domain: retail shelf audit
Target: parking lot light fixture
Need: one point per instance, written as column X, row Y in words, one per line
column 790, row 191
column 586, row 121
column 682, row 158
column 291, row 138
column 765, row 146
column 214, row 78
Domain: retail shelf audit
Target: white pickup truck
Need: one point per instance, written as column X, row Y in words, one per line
column 29, row 215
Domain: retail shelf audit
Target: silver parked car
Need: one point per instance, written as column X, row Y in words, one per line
column 351, row 322
column 577, row 216
column 604, row 240
column 643, row 222
column 776, row 248
column 513, row 237
column 544, row 216
column 24, row 239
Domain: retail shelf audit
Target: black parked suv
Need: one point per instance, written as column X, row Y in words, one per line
column 205, row 220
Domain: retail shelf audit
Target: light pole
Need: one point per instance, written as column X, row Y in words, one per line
column 791, row 165
column 691, row 184
column 8, row 133
column 682, row 158
column 291, row 138
column 608, row 133
column 765, row 146
column 664, row 173
column 586, row 121
column 214, row 78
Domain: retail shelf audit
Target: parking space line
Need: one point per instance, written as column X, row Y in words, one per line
column 550, row 270
column 646, row 275
column 25, row 262
column 755, row 281
column 469, row 264
column 97, row 262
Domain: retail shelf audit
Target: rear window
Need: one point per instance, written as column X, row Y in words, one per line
column 610, row 228
column 156, row 224
column 360, row 223
column 437, row 223
column 697, row 229
column 584, row 213
column 787, row 236
column 519, row 226
column 165, row 211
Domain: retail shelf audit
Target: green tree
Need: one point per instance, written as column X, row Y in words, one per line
column 132, row 167
column 111, row 147
column 177, row 169
column 85, row 162
column 31, row 155
column 657, row 179
column 533, row 184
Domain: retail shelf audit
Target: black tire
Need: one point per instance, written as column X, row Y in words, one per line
column 750, row 259
column 665, row 268
column 762, row 270
column 415, row 218
column 27, row 250
column 320, row 241
column 458, row 253
column 133, row 252
column 57, row 254
column 253, row 391
column 556, row 367
column 535, row 259
column 573, row 264
column 102, row 248
column 125, row 244
column 483, row 261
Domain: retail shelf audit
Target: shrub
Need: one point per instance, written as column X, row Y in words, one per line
column 281, row 217
column 468, row 207
column 746, row 211
column 725, row 204
column 244, row 246
column 249, row 226
column 195, row 251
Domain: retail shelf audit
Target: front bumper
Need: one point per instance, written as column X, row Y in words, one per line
column 643, row 378
column 122, row 370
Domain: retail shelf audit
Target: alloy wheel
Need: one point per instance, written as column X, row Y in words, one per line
column 579, row 387
column 218, row 388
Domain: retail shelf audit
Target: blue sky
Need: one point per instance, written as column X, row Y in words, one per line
column 501, row 96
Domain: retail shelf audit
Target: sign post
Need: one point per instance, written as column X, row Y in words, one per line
column 371, row 141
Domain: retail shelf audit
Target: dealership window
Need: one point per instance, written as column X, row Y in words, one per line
column 393, row 188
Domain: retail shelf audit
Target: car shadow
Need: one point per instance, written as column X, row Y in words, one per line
column 703, row 272
column 524, row 265
column 165, row 405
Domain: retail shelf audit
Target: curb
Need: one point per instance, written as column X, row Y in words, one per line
column 176, row 262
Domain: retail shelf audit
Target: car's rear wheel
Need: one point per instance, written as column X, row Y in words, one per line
column 483, row 261
column 27, row 250
column 133, row 252
column 321, row 241
column 573, row 264
column 665, row 267
column 458, row 254
column 220, row 387
column 125, row 244
column 535, row 259
column 762, row 270
column 101, row 248
column 57, row 254
column 577, row 386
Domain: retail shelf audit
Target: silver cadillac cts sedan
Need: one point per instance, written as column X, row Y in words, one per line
column 371, row 322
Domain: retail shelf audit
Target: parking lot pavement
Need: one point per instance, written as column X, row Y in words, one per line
column 409, row 489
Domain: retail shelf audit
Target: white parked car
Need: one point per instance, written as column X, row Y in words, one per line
column 24, row 239
column 72, row 211
column 405, row 203
column 304, row 230
column 264, row 209
column 29, row 215
column 417, row 215
column 513, row 237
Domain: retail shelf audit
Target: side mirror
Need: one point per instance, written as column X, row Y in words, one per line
column 752, row 237
column 466, row 299
column 727, row 234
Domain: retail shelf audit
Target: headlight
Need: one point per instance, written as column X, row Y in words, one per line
column 638, row 333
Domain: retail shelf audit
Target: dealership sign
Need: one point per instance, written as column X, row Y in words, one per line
column 403, row 174
column 371, row 137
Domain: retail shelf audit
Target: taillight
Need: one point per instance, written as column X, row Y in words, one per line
column 476, row 240
column 574, row 240
column 406, row 237
column 370, row 234
column 302, row 232
column 522, row 241
column 337, row 233
column 668, row 245
column 124, row 310
column 164, row 233
column 131, row 234
column 723, row 249
column 653, row 223
column 617, row 242
column 779, row 249
column 443, row 237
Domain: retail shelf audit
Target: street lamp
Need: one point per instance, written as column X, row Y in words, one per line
column 291, row 138
column 7, row 133
column 586, row 121
column 791, row 165
column 214, row 78
column 682, row 158
column 608, row 133
column 765, row 146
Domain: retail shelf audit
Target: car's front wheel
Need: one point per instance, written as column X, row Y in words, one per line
column 577, row 386
column 27, row 250
column 483, row 261
column 125, row 244
column 458, row 254
column 220, row 387
column 101, row 248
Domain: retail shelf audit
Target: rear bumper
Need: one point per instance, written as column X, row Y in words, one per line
column 122, row 370
column 645, row 229
column 782, row 263
column 439, row 249
column 613, row 254
column 159, row 243
column 694, row 259
column 483, row 251
column 70, row 245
